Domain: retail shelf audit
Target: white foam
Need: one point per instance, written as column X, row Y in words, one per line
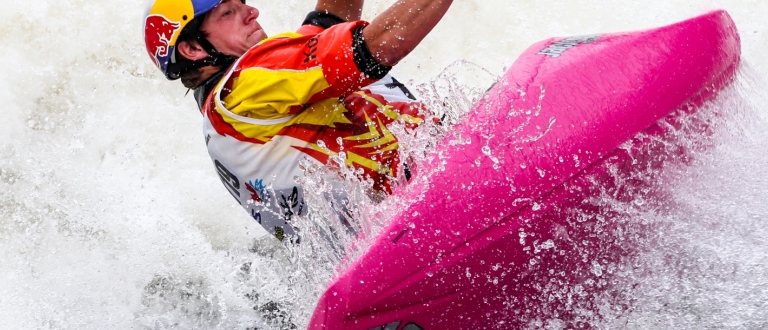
column 111, row 215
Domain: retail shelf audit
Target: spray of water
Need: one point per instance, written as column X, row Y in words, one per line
column 111, row 215
column 704, row 266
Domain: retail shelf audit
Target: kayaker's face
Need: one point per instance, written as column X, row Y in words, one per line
column 232, row 27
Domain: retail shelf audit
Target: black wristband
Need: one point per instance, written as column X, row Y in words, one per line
column 321, row 18
column 363, row 58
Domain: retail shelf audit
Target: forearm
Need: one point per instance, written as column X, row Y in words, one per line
column 397, row 31
column 349, row 10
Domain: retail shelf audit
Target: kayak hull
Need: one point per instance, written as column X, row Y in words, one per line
column 497, row 233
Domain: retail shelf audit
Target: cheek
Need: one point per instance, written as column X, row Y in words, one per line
column 230, row 38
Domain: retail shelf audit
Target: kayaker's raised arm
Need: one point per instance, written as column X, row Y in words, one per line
column 348, row 10
column 397, row 31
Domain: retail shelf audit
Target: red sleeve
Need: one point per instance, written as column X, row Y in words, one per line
column 330, row 49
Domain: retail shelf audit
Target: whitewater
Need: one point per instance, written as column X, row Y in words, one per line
column 112, row 216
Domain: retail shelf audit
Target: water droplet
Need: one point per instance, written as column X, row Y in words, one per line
column 597, row 269
column 548, row 244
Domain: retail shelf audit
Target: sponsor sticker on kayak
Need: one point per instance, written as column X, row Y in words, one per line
column 559, row 47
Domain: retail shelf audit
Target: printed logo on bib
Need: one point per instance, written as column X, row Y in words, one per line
column 258, row 191
column 275, row 209
column 291, row 204
column 229, row 180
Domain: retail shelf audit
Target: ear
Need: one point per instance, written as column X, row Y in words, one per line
column 191, row 50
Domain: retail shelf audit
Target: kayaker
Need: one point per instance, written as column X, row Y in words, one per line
column 320, row 94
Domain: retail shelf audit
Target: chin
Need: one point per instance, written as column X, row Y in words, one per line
column 258, row 36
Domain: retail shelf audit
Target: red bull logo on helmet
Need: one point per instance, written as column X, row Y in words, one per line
column 159, row 32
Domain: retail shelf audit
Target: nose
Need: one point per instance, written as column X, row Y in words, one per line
column 253, row 13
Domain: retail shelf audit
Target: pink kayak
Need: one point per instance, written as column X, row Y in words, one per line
column 490, row 240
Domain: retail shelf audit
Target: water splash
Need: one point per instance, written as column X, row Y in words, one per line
column 112, row 217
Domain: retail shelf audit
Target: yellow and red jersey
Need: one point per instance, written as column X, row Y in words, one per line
column 299, row 96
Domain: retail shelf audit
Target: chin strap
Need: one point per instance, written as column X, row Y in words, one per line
column 214, row 57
